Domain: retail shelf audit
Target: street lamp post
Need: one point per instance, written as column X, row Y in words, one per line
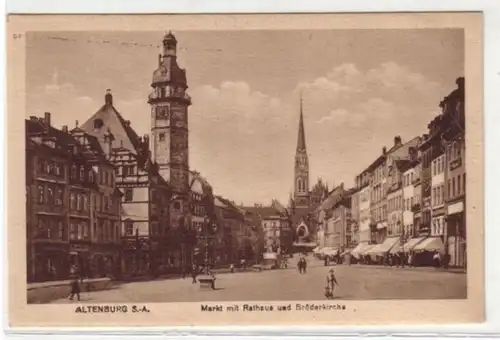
column 402, row 243
column 207, row 281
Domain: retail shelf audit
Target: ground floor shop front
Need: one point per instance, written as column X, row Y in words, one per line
column 53, row 262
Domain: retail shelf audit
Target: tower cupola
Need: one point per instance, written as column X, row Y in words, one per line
column 169, row 45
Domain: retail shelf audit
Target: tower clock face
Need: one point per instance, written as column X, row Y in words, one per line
column 178, row 112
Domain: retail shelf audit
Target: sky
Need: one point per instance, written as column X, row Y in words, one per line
column 360, row 88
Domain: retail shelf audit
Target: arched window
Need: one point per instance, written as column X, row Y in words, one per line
column 299, row 184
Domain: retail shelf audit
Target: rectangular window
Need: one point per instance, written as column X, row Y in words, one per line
column 459, row 184
column 79, row 202
column 41, row 194
column 59, row 196
column 442, row 193
column 453, row 187
column 50, row 194
column 463, row 178
column 82, row 173
column 85, row 231
column 129, row 195
column 129, row 228
column 72, row 201
column 73, row 231
column 60, row 230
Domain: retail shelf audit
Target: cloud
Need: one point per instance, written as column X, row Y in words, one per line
column 240, row 135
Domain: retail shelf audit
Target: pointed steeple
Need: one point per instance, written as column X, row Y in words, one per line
column 301, row 140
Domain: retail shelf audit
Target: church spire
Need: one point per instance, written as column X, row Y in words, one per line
column 301, row 140
column 301, row 192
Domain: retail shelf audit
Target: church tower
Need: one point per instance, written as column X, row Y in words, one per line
column 169, row 118
column 301, row 185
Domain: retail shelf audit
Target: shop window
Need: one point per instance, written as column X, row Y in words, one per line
column 82, row 173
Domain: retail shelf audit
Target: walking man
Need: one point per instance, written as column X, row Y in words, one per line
column 75, row 284
column 331, row 281
column 194, row 272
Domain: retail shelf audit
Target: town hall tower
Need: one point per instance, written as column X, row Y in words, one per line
column 169, row 117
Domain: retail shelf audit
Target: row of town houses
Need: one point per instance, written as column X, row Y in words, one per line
column 104, row 200
column 409, row 199
column 106, row 210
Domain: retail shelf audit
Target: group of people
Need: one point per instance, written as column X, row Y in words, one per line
column 302, row 265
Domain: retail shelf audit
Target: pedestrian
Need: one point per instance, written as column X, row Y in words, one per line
column 301, row 265
column 436, row 259
column 75, row 284
column 304, row 265
column 331, row 281
column 326, row 261
column 194, row 273
column 410, row 260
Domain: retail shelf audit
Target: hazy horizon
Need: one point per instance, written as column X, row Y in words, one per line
column 360, row 89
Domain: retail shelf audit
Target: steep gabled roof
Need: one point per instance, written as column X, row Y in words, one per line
column 113, row 121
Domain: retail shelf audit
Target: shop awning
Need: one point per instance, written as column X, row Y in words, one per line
column 329, row 251
column 356, row 252
column 366, row 249
column 408, row 246
column 384, row 247
column 430, row 244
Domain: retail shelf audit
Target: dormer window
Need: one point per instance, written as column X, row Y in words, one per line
column 98, row 123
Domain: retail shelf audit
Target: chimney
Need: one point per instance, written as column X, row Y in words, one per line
column 460, row 83
column 384, row 150
column 47, row 119
column 127, row 122
column 108, row 98
column 146, row 139
column 397, row 141
column 33, row 118
column 65, row 128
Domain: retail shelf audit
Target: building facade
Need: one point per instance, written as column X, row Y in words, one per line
column 438, row 194
column 408, row 200
column 455, row 175
column 66, row 173
column 355, row 200
column 364, row 215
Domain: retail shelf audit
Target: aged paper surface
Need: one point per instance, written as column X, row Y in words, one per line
column 127, row 214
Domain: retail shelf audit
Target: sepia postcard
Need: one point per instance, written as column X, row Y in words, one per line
column 209, row 170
